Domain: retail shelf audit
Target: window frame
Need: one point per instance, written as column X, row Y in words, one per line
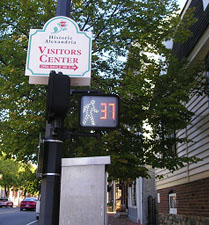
column 172, row 210
column 132, row 195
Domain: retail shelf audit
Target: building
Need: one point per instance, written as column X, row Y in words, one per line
column 142, row 200
column 137, row 200
column 183, row 196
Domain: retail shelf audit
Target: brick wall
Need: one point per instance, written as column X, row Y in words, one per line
column 192, row 198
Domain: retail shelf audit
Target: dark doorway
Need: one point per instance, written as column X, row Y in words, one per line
column 151, row 211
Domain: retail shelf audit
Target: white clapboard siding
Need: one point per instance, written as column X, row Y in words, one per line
column 167, row 173
column 198, row 124
column 181, row 147
column 196, row 103
column 196, row 138
column 199, row 147
column 204, row 161
column 199, row 170
column 198, row 133
column 172, row 179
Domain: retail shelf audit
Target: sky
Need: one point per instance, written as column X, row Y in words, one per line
column 181, row 3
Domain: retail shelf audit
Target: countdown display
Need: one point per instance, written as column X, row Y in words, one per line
column 99, row 111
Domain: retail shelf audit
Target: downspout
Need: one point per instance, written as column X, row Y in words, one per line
column 114, row 197
column 188, row 179
column 143, row 208
column 140, row 200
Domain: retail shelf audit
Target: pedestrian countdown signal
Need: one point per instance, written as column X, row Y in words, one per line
column 99, row 111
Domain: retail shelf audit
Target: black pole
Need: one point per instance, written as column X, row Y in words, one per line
column 63, row 8
column 50, row 186
column 57, row 107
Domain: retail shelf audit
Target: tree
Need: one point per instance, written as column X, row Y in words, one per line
column 18, row 176
column 126, row 34
column 9, row 170
column 28, row 180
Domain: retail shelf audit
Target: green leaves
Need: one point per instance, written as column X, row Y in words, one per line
column 128, row 37
column 17, row 175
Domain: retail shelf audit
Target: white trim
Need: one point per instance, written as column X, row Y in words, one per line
column 185, row 8
column 129, row 197
column 204, row 2
column 83, row 161
column 139, row 199
column 173, row 211
column 201, row 48
column 158, row 197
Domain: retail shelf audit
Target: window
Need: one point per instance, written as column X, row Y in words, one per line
column 172, row 203
column 133, row 194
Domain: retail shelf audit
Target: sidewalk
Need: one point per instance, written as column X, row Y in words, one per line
column 122, row 220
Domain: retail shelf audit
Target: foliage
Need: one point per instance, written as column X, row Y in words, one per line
column 9, row 174
column 127, row 37
column 19, row 176
column 28, row 181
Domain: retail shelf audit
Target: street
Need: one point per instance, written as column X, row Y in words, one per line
column 13, row 216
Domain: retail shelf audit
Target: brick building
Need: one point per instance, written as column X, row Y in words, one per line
column 183, row 196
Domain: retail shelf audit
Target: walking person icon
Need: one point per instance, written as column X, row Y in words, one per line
column 89, row 110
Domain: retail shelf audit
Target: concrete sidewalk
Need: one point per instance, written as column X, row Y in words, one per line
column 122, row 220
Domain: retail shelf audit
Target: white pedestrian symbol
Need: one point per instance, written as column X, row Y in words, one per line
column 89, row 109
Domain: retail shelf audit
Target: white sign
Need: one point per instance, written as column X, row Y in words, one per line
column 62, row 47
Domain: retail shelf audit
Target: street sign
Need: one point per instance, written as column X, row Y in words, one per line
column 60, row 46
column 99, row 111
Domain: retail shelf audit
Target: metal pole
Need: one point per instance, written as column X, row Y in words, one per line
column 50, row 186
column 63, row 8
